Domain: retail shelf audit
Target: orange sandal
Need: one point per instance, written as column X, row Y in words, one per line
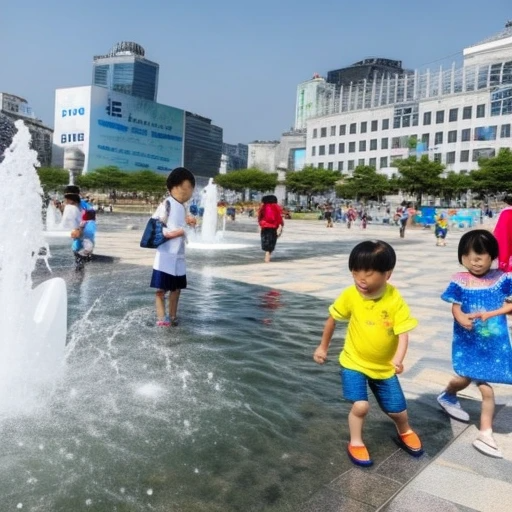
column 411, row 443
column 359, row 455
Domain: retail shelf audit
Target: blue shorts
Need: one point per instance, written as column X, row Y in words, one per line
column 388, row 392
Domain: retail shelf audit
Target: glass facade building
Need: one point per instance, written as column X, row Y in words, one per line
column 203, row 145
column 125, row 69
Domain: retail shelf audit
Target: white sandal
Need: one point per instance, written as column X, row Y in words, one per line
column 486, row 444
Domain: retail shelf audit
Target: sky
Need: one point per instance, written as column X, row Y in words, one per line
column 237, row 62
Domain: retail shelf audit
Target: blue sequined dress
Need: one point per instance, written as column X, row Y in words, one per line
column 484, row 352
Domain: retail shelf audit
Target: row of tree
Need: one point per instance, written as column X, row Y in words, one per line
column 416, row 177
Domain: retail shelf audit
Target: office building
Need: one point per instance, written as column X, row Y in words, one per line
column 203, row 145
column 456, row 115
column 125, row 69
column 236, row 156
column 13, row 108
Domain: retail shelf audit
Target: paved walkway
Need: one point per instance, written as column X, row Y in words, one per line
column 459, row 478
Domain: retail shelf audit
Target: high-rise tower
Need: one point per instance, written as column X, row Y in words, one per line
column 125, row 69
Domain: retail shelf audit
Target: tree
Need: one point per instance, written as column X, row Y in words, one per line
column 311, row 181
column 420, row 177
column 495, row 174
column 455, row 184
column 52, row 178
column 147, row 182
column 364, row 184
column 243, row 179
column 104, row 178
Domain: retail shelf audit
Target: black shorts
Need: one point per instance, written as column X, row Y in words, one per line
column 268, row 239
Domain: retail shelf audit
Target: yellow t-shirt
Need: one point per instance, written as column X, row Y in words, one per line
column 373, row 329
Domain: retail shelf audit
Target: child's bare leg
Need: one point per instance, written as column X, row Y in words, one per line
column 356, row 420
column 160, row 304
column 457, row 384
column 401, row 420
column 174, row 297
column 488, row 406
column 267, row 256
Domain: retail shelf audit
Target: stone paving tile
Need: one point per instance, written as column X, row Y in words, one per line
column 328, row 500
column 419, row 501
column 359, row 485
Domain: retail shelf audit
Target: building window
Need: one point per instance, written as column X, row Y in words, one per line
column 315, row 133
column 341, row 147
column 453, row 115
column 450, row 157
column 350, row 166
column 467, row 112
column 364, row 127
column 505, row 131
column 425, row 139
column 373, row 144
column 427, row 118
column 362, row 145
column 452, row 136
column 385, row 124
column 323, row 132
column 465, row 135
column 343, row 129
column 440, row 117
column 360, row 161
column 351, row 147
column 321, row 150
column 464, row 155
column 395, row 143
column 333, row 131
column 332, row 149
column 383, row 161
column 340, row 166
column 405, row 116
column 486, row 133
column 353, row 128
column 330, row 166
column 480, row 110
column 313, row 151
column 384, row 143
column 438, row 157
column 320, row 165
column 373, row 163
column 438, row 139
column 501, row 100
column 375, row 126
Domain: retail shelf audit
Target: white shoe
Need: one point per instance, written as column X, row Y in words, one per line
column 486, row 444
column 452, row 406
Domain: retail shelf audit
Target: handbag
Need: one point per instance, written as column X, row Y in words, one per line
column 153, row 235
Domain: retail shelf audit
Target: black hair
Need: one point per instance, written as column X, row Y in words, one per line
column 178, row 176
column 372, row 255
column 72, row 189
column 270, row 199
column 73, row 197
column 479, row 240
column 508, row 199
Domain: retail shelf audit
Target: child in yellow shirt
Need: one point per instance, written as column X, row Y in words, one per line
column 375, row 345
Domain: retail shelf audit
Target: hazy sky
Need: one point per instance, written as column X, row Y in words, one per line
column 236, row 62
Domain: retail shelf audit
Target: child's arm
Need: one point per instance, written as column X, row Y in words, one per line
column 504, row 310
column 320, row 355
column 403, row 345
column 462, row 318
column 173, row 233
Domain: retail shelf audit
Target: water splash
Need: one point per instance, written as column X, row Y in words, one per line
column 26, row 316
column 209, row 223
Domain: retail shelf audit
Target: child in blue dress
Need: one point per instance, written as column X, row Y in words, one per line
column 481, row 350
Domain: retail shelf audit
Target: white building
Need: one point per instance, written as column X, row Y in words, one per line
column 314, row 98
column 454, row 115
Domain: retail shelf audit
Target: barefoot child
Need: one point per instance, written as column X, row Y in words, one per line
column 481, row 350
column 375, row 346
column 169, row 270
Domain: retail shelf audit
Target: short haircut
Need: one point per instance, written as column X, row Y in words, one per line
column 480, row 241
column 270, row 199
column 508, row 199
column 372, row 255
column 178, row 176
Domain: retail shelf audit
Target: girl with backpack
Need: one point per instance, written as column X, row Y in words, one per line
column 271, row 224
